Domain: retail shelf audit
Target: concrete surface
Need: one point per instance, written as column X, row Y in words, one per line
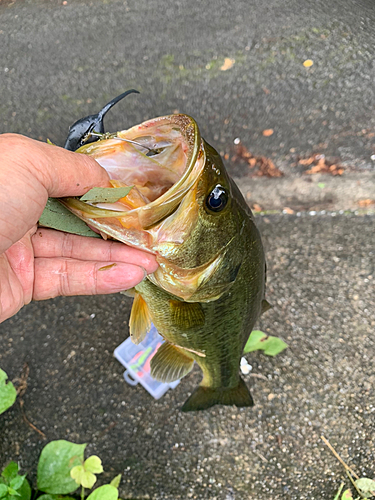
column 321, row 282
column 63, row 60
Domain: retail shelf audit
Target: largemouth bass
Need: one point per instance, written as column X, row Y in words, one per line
column 208, row 291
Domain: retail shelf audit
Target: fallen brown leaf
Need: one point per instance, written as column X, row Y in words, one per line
column 320, row 164
column 256, row 207
column 308, row 63
column 267, row 168
column 228, row 63
column 307, row 162
column 242, row 152
column 288, row 210
column 264, row 166
column 366, row 203
column 267, row 132
column 314, row 170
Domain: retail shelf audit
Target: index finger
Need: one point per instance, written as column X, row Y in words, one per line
column 48, row 243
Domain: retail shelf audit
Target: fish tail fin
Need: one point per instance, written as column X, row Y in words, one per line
column 205, row 397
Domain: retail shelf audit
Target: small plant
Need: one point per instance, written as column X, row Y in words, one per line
column 363, row 486
column 13, row 485
column 61, row 470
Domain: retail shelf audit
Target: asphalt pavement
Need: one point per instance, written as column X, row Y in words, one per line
column 63, row 60
column 321, row 283
column 238, row 69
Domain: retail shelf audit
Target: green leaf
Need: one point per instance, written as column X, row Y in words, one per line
column 24, row 492
column 365, row 485
column 93, row 464
column 76, row 473
column 55, row 462
column 256, row 336
column 88, row 480
column 260, row 341
column 3, row 490
column 56, row 216
column 116, row 481
column 8, row 392
column 274, row 346
column 321, row 185
column 16, row 482
column 82, row 477
column 10, row 471
column 347, row 495
column 107, row 195
column 106, row 492
column 13, row 492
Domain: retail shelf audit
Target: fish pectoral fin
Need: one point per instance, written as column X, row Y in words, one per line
column 140, row 321
column 205, row 397
column 170, row 364
column 265, row 306
column 186, row 314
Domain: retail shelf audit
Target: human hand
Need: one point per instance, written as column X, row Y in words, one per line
column 38, row 263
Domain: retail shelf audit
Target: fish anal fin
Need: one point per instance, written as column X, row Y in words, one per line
column 205, row 397
column 140, row 321
column 186, row 314
column 170, row 364
column 265, row 306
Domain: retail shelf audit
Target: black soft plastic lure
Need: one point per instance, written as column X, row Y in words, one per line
column 80, row 130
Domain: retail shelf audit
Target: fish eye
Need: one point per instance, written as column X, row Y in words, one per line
column 217, row 199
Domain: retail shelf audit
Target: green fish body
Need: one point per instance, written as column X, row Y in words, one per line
column 208, row 291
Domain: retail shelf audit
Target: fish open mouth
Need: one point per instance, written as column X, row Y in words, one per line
column 160, row 159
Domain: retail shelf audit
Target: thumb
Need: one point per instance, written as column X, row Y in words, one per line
column 61, row 172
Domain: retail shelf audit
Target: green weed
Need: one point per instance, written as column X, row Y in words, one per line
column 364, row 488
column 61, row 471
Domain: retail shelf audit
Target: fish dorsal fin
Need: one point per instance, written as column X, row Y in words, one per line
column 265, row 306
column 170, row 364
column 186, row 314
column 205, row 397
column 140, row 321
